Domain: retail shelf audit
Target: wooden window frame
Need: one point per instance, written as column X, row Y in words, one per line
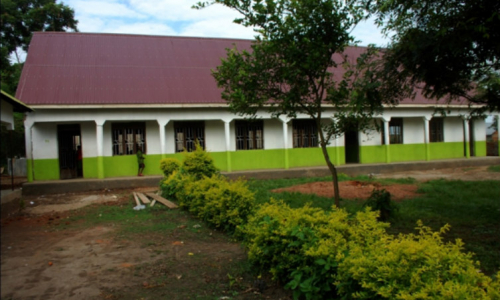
column 186, row 133
column 135, row 130
column 249, row 135
column 396, row 131
column 305, row 133
column 436, row 130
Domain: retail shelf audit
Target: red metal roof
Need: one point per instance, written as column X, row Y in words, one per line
column 102, row 69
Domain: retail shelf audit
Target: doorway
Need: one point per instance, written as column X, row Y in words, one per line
column 351, row 147
column 70, row 151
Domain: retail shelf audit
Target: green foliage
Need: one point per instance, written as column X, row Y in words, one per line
column 412, row 266
column 291, row 63
column 199, row 163
column 18, row 20
column 426, row 36
column 199, row 188
column 380, row 200
column 303, row 246
column 169, row 166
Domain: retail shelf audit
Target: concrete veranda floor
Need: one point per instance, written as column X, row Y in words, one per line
column 84, row 185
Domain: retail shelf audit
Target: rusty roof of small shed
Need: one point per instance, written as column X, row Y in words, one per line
column 117, row 69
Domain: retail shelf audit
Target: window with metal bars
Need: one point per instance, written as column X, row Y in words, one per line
column 396, row 131
column 187, row 134
column 128, row 138
column 436, row 130
column 305, row 134
column 249, row 135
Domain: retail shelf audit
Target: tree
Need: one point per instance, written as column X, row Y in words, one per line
column 446, row 47
column 18, row 20
column 290, row 69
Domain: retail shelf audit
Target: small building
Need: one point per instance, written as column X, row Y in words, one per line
column 110, row 95
column 9, row 105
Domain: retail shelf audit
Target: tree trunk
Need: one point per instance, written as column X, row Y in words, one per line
column 333, row 170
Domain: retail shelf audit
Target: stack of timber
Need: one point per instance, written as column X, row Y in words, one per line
column 156, row 198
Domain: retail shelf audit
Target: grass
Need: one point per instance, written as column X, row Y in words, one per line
column 471, row 208
column 494, row 168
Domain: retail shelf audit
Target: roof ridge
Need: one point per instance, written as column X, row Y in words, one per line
column 136, row 35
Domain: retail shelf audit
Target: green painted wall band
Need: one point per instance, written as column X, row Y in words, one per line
column 121, row 166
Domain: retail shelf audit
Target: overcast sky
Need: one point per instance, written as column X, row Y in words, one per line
column 176, row 17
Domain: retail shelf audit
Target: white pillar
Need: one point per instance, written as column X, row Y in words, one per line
column 427, row 137
column 227, row 134
column 28, row 141
column 387, row 140
column 466, row 136
column 100, row 147
column 386, row 130
column 285, row 141
column 163, row 144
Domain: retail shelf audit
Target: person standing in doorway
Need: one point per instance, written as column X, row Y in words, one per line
column 140, row 161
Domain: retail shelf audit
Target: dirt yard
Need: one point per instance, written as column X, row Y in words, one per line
column 361, row 190
column 47, row 251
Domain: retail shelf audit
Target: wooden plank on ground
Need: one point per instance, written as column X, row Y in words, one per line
column 136, row 199
column 153, row 202
column 143, row 198
column 162, row 200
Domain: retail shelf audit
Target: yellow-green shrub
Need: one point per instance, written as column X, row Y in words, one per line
column 412, row 266
column 222, row 203
column 169, row 165
column 303, row 246
column 199, row 163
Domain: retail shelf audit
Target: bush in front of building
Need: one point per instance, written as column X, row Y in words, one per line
column 169, row 165
column 302, row 247
column 322, row 254
column 199, row 163
column 199, row 188
column 413, row 266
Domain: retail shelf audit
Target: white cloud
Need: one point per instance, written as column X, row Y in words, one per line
column 148, row 28
column 368, row 33
column 217, row 28
column 108, row 9
column 176, row 17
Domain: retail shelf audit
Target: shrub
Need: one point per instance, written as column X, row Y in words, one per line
column 412, row 267
column 381, row 200
column 199, row 163
column 303, row 246
column 222, row 203
column 169, row 165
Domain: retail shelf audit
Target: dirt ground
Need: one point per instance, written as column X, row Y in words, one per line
column 39, row 260
column 45, row 256
column 361, row 190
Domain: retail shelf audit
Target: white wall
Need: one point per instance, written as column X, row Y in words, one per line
column 45, row 128
column 45, row 141
column 152, row 138
column 413, row 131
column 89, row 142
column 273, row 134
column 479, row 130
column 215, row 140
column 453, row 129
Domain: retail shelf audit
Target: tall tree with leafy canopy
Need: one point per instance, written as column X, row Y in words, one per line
column 446, row 47
column 291, row 68
column 18, row 20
